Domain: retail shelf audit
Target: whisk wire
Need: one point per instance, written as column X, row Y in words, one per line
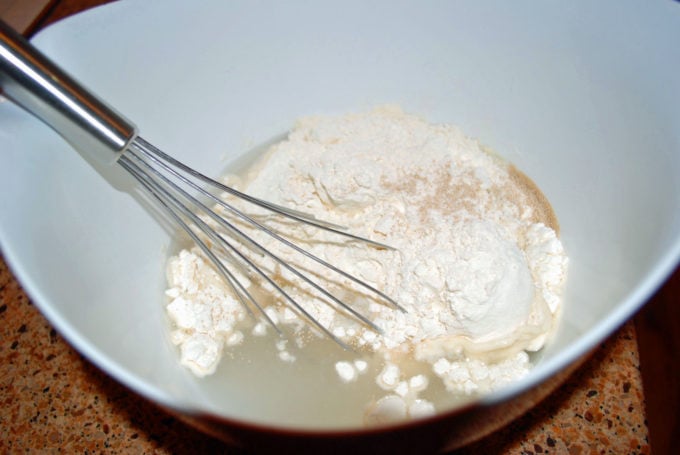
column 160, row 191
column 149, row 150
column 271, row 233
column 290, row 213
column 141, row 155
column 163, row 198
column 219, row 240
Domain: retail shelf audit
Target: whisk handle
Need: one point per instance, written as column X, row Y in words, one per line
column 31, row 80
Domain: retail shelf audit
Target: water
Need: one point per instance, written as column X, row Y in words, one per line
column 307, row 392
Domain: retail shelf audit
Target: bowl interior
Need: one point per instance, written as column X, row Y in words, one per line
column 583, row 97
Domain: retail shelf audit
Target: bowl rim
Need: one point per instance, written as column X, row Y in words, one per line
column 635, row 299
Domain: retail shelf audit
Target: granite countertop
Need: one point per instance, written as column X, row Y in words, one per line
column 54, row 400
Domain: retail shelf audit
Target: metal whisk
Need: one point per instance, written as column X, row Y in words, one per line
column 32, row 81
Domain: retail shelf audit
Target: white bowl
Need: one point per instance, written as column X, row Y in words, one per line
column 582, row 96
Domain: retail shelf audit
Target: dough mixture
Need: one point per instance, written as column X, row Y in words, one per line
column 477, row 263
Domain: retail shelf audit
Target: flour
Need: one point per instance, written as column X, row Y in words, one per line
column 204, row 312
column 350, row 371
column 403, row 402
column 477, row 263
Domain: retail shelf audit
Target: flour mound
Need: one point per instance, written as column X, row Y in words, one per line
column 476, row 264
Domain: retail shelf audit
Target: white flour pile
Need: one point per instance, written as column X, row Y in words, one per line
column 477, row 263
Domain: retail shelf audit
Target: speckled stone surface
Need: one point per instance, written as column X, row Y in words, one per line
column 54, row 401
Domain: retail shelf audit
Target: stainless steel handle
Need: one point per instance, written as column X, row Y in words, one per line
column 32, row 81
